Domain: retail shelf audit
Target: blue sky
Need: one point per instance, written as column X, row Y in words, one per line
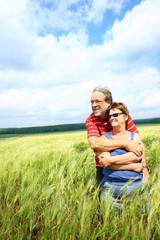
column 53, row 53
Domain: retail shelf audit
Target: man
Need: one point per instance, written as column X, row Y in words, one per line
column 97, row 125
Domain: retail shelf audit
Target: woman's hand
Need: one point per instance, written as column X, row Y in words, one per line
column 104, row 159
column 137, row 167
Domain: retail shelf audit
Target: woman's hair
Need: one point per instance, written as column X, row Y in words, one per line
column 120, row 106
column 105, row 91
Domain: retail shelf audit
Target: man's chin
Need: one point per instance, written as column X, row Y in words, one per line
column 97, row 114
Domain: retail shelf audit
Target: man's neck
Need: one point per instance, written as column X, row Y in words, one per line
column 103, row 117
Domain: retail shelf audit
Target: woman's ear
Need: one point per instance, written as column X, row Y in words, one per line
column 126, row 117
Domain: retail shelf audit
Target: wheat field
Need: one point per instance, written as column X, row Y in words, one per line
column 48, row 190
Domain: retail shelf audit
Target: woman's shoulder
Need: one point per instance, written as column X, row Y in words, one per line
column 136, row 136
column 108, row 135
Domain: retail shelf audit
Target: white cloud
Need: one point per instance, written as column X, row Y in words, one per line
column 137, row 35
column 70, row 103
column 96, row 13
column 46, row 80
column 46, row 106
column 17, row 46
column 69, row 14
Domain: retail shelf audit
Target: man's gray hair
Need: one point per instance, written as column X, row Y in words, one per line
column 105, row 91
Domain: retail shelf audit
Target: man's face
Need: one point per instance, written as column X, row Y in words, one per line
column 99, row 105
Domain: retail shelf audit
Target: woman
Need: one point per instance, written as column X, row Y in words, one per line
column 129, row 178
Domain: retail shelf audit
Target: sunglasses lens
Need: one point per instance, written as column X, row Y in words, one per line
column 114, row 115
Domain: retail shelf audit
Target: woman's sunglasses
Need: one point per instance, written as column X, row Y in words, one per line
column 114, row 115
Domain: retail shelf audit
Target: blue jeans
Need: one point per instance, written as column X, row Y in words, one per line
column 115, row 194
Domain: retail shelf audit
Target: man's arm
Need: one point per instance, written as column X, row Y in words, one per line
column 104, row 144
column 146, row 175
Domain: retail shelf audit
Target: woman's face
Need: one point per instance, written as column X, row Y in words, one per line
column 117, row 117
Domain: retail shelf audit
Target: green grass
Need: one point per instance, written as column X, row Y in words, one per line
column 47, row 190
column 4, row 136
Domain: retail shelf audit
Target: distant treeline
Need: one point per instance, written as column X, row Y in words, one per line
column 147, row 121
column 64, row 127
column 43, row 129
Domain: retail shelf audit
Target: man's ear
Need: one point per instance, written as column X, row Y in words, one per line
column 109, row 101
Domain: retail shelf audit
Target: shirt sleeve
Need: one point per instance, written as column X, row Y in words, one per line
column 92, row 129
column 131, row 126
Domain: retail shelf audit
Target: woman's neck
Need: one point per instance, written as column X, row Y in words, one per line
column 118, row 131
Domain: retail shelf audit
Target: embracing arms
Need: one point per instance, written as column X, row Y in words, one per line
column 103, row 144
column 96, row 127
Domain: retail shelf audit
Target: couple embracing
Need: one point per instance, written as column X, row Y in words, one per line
column 121, row 167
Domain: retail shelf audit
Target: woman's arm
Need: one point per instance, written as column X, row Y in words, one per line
column 106, row 160
column 136, row 167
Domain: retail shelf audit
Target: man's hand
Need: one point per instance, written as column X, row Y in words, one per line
column 136, row 148
column 146, row 175
column 104, row 159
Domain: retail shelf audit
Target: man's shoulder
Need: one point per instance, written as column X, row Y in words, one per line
column 92, row 119
column 97, row 126
column 131, row 126
column 91, row 116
